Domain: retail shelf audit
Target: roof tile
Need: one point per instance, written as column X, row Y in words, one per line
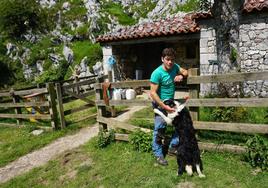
column 158, row 28
column 258, row 5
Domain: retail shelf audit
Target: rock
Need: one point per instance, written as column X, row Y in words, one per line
column 68, row 54
column 37, row 132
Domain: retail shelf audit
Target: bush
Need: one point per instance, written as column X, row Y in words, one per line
column 141, row 141
column 229, row 114
column 105, row 138
column 18, row 17
column 257, row 152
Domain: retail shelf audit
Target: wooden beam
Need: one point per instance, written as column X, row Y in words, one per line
column 126, row 84
column 80, row 97
column 233, row 77
column 202, row 145
column 222, row 147
column 26, row 116
column 24, row 104
column 111, row 122
column 79, row 83
column 192, row 36
column 232, row 127
column 134, row 102
column 78, row 109
column 60, row 105
column 243, row 102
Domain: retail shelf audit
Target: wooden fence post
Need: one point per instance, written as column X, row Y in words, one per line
column 15, row 100
column 76, row 80
column 101, row 110
column 53, row 104
column 194, row 94
column 110, row 78
column 60, row 105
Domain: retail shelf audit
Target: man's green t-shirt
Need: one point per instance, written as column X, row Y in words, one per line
column 165, row 81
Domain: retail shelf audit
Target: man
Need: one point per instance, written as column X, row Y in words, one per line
column 162, row 86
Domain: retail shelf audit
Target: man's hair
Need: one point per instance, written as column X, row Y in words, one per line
column 168, row 52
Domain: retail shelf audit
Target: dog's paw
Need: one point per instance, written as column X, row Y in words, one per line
column 201, row 175
column 189, row 170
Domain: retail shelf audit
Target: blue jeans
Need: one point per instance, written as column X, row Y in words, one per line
column 159, row 131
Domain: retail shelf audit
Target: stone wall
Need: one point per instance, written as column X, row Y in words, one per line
column 241, row 41
column 253, row 50
column 208, row 57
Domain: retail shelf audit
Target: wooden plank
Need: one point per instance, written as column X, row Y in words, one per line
column 53, row 105
column 225, row 102
column 126, row 84
column 85, row 118
column 60, row 105
column 101, row 110
column 232, row 127
column 31, row 91
column 88, row 93
column 202, row 145
column 77, row 84
column 78, row 109
column 243, row 102
column 111, row 122
column 5, row 94
column 24, row 104
column 134, row 102
column 81, row 98
column 17, row 110
column 26, row 116
column 121, row 137
column 233, row 77
column 10, row 125
column 222, row 147
column 194, row 93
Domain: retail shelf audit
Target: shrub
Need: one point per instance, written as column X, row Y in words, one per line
column 18, row 17
column 105, row 138
column 257, row 152
column 229, row 114
column 141, row 141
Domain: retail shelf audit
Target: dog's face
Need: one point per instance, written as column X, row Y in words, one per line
column 178, row 105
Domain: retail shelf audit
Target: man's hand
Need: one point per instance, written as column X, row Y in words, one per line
column 178, row 78
column 168, row 109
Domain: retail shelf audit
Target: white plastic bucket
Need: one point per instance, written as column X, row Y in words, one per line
column 130, row 94
column 138, row 74
column 116, row 94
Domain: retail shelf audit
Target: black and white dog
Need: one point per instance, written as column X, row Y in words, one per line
column 188, row 153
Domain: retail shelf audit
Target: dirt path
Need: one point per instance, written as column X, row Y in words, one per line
column 43, row 155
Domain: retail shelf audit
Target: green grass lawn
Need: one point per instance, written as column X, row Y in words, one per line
column 16, row 142
column 119, row 165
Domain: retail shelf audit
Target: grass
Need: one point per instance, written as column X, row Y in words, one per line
column 119, row 165
column 16, row 142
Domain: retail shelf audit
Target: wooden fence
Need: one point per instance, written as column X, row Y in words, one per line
column 193, row 81
column 21, row 99
column 53, row 97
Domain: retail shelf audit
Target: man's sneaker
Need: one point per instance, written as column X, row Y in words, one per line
column 172, row 151
column 161, row 161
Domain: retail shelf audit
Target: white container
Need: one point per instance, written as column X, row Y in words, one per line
column 138, row 74
column 116, row 94
column 130, row 94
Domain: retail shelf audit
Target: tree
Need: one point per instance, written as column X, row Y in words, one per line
column 17, row 17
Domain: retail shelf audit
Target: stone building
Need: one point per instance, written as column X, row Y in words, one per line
column 231, row 37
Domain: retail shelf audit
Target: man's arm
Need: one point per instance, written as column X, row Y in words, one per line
column 155, row 97
column 183, row 73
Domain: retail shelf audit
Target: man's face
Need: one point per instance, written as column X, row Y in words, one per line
column 168, row 62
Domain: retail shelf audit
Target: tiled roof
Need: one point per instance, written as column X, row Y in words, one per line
column 250, row 5
column 159, row 28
